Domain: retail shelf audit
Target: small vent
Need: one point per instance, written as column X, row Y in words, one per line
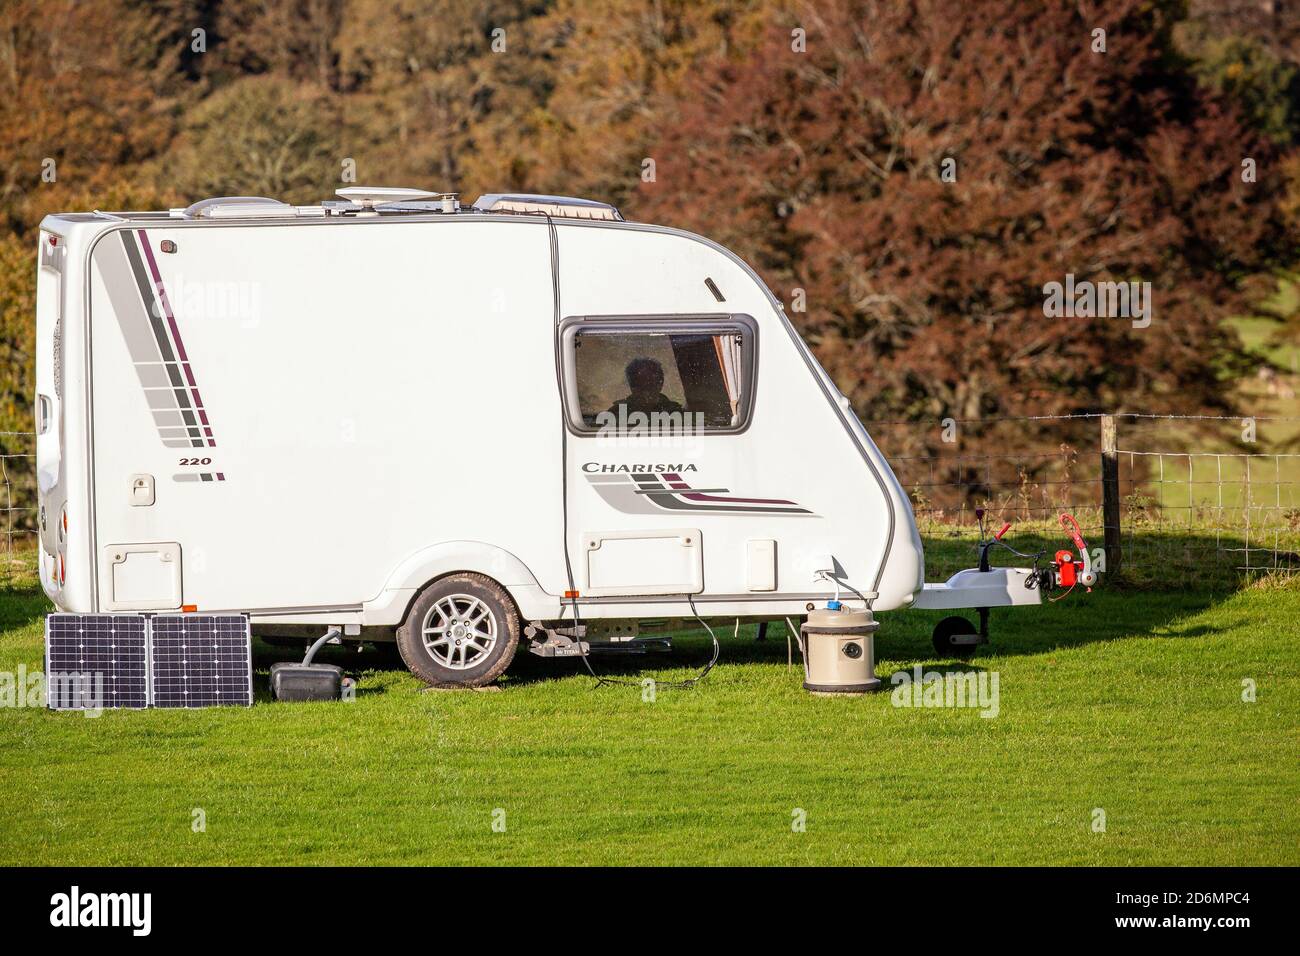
column 566, row 207
column 222, row 207
column 244, row 207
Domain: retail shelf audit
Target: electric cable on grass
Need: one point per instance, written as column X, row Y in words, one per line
column 690, row 681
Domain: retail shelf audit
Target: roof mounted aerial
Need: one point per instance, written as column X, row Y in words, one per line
column 568, row 207
column 368, row 197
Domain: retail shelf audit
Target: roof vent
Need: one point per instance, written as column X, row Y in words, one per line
column 233, row 207
column 368, row 197
column 568, row 207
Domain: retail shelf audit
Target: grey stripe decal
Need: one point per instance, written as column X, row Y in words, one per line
column 145, row 286
column 115, row 270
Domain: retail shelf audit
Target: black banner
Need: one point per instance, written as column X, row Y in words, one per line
column 333, row 905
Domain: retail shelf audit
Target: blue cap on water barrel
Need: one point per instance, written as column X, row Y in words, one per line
column 833, row 605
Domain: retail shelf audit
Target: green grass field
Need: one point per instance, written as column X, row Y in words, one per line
column 1123, row 701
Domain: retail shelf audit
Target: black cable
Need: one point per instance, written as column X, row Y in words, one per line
column 677, row 684
column 996, row 541
column 1020, row 554
column 553, row 239
column 717, row 649
column 850, row 587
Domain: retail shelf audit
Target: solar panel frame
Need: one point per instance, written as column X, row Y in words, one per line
column 113, row 646
column 200, row 660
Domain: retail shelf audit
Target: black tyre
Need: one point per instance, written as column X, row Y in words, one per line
column 949, row 628
column 462, row 631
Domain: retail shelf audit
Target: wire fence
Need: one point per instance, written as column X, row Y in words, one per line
column 1239, row 509
column 1161, row 498
column 1167, row 498
column 18, row 471
column 1026, row 489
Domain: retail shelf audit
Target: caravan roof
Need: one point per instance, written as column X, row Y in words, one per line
column 368, row 202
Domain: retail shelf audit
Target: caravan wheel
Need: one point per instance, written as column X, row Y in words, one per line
column 462, row 631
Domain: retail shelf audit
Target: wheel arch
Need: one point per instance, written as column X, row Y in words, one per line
column 424, row 567
column 462, row 592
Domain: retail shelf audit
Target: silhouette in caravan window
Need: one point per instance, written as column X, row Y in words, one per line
column 645, row 379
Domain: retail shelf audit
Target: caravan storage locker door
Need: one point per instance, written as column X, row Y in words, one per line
column 644, row 562
column 142, row 577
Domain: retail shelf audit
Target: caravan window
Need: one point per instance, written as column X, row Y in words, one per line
column 660, row 378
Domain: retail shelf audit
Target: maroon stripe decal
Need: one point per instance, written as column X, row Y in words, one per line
column 683, row 490
column 162, row 294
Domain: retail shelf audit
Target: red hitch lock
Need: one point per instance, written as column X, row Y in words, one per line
column 1065, row 570
column 1070, row 572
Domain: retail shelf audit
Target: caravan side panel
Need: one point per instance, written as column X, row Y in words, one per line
column 311, row 405
column 819, row 488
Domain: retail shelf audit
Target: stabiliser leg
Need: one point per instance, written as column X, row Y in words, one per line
column 972, row 639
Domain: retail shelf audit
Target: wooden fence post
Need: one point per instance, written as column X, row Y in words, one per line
column 1110, row 503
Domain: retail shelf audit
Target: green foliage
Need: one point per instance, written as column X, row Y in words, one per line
column 259, row 136
column 1268, row 88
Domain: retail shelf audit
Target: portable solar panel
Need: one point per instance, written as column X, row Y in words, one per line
column 201, row 660
column 95, row 661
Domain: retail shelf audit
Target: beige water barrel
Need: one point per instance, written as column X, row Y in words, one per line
column 839, row 652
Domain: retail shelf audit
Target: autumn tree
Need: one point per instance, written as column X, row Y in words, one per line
column 74, row 113
column 1249, row 50
column 920, row 171
column 612, row 70
column 76, row 120
column 424, row 80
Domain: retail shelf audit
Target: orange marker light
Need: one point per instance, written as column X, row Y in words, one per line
column 570, row 595
column 189, row 608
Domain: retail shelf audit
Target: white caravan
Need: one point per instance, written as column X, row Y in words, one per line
column 459, row 428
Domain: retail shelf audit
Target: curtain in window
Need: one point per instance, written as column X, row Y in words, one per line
column 728, row 349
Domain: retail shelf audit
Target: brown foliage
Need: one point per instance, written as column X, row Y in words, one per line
column 926, row 297
column 64, row 96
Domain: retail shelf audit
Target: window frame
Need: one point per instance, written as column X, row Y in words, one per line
column 662, row 324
